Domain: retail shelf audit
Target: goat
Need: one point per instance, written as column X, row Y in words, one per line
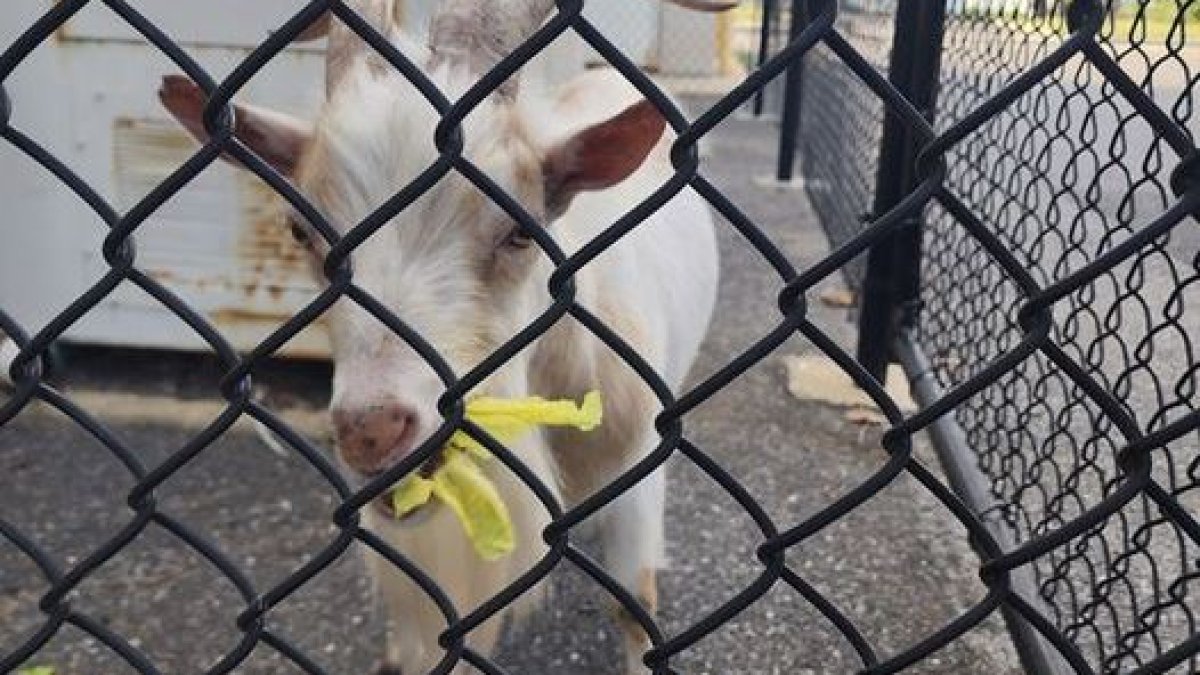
column 456, row 269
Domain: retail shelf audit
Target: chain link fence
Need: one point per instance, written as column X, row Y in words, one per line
column 1045, row 301
column 835, row 146
column 838, row 146
column 1094, row 433
column 1054, row 353
column 667, row 40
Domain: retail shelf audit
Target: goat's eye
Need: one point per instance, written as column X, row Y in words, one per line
column 298, row 232
column 516, row 238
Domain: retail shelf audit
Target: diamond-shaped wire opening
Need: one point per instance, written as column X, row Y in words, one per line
column 1037, row 318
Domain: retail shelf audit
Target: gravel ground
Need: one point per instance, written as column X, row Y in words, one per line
column 898, row 566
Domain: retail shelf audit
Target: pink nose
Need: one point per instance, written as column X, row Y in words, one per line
column 374, row 437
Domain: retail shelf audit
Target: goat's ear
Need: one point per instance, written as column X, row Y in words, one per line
column 601, row 155
column 277, row 138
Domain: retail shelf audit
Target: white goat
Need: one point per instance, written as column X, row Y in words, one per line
column 455, row 268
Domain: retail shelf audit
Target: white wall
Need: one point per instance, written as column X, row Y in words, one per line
column 687, row 43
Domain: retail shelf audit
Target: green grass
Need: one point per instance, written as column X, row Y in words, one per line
column 1155, row 21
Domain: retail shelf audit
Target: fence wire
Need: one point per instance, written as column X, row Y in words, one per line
column 839, row 144
column 1002, row 378
column 1086, row 180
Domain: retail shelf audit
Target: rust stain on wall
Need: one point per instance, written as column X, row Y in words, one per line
column 221, row 243
column 279, row 268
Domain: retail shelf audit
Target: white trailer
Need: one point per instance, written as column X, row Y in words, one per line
column 88, row 94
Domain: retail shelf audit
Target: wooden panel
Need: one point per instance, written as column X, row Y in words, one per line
column 220, row 23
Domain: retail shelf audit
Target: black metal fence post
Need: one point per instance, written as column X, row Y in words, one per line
column 793, row 92
column 893, row 275
column 1064, row 422
column 764, row 50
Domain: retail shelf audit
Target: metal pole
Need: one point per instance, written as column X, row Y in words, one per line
column 893, row 274
column 1038, row 656
column 764, row 50
column 793, row 91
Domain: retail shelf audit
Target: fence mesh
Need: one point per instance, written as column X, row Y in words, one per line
column 839, row 144
column 1046, row 456
column 1073, row 179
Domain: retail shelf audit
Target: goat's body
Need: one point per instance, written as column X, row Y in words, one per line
column 457, row 271
column 656, row 289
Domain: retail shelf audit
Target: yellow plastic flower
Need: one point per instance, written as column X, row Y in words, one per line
column 460, row 482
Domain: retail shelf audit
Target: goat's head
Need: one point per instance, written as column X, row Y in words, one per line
column 452, row 265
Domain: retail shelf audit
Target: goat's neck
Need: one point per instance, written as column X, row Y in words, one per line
column 562, row 363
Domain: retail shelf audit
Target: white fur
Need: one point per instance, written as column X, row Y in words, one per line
column 8, row 354
column 661, row 279
column 656, row 288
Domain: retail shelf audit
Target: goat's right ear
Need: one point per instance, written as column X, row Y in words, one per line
column 277, row 138
column 602, row 155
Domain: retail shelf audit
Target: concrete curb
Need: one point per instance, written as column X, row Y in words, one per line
column 120, row 408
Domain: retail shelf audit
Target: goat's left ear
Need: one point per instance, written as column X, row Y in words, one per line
column 277, row 138
column 601, row 155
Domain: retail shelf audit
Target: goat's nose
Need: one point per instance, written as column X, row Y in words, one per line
column 371, row 438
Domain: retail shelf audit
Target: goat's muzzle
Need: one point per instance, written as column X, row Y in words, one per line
column 372, row 438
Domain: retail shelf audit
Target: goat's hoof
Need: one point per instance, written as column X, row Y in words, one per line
column 385, row 669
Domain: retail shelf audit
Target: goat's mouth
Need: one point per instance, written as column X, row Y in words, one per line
column 383, row 503
column 383, row 506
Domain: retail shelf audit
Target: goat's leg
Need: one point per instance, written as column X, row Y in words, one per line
column 414, row 620
column 413, row 623
column 633, row 545
column 414, row 627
